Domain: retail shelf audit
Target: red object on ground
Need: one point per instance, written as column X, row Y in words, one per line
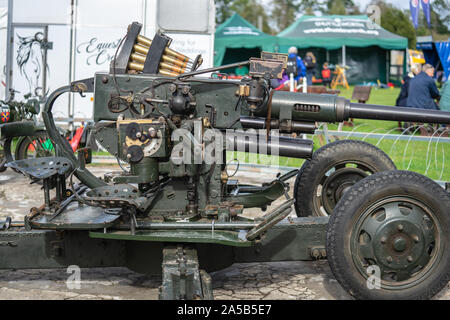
column 76, row 138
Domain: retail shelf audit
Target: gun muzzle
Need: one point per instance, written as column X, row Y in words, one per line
column 376, row 112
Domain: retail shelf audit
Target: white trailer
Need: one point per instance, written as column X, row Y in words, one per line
column 54, row 42
column 3, row 31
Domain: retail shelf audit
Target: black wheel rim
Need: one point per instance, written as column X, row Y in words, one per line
column 402, row 237
column 335, row 181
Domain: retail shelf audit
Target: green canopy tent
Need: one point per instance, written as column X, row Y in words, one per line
column 353, row 41
column 237, row 40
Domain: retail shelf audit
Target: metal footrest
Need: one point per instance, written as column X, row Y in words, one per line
column 116, row 196
column 74, row 217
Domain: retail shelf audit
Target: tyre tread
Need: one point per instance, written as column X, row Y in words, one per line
column 334, row 233
column 303, row 182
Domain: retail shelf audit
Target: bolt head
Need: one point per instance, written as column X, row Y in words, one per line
column 400, row 227
column 315, row 253
column 383, row 240
column 400, row 244
column 410, row 259
column 152, row 132
column 172, row 88
column 416, row 238
column 138, row 134
column 185, row 90
column 389, row 259
column 323, row 253
column 129, row 156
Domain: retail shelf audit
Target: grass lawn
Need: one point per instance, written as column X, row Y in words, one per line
column 422, row 157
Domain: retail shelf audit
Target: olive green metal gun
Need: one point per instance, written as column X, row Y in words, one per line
column 385, row 232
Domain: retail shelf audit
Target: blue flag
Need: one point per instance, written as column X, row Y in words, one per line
column 427, row 11
column 414, row 8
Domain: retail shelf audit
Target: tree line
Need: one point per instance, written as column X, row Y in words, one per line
column 273, row 16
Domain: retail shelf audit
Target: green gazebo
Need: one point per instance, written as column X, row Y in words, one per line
column 237, row 40
column 353, row 41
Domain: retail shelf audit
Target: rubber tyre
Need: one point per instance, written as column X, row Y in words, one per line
column 360, row 197
column 21, row 150
column 312, row 171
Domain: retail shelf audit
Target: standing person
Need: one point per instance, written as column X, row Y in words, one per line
column 295, row 67
column 310, row 63
column 326, row 75
column 402, row 99
column 422, row 90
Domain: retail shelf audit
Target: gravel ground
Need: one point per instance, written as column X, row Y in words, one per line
column 300, row 280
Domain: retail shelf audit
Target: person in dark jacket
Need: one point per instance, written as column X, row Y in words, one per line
column 310, row 64
column 402, row 99
column 422, row 90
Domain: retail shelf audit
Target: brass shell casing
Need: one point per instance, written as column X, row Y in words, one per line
column 145, row 42
column 167, row 73
column 135, row 66
column 174, row 61
column 170, row 67
column 138, row 57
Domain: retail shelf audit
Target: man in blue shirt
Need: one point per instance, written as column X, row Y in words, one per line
column 422, row 90
column 301, row 69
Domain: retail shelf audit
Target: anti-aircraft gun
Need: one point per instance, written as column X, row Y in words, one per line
column 177, row 209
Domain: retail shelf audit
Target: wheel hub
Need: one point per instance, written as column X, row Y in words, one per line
column 339, row 182
column 394, row 244
column 398, row 237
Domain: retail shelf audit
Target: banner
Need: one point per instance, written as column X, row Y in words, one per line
column 414, row 8
column 427, row 11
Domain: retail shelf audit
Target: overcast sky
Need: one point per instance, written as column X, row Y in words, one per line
column 401, row 4
column 404, row 4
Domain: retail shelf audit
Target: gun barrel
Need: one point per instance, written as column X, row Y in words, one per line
column 295, row 126
column 291, row 107
column 275, row 145
column 376, row 112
